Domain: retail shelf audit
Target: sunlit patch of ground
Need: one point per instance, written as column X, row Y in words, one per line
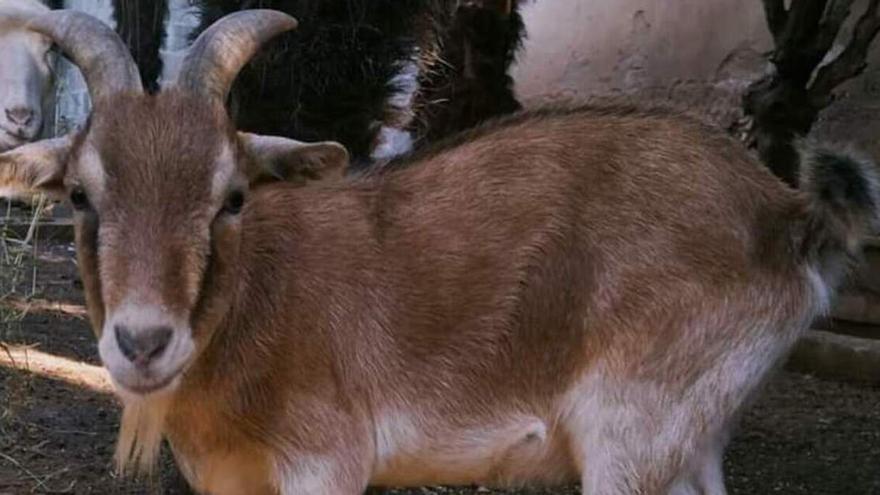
column 76, row 373
column 36, row 305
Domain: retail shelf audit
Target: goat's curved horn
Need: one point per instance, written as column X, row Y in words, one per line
column 95, row 48
column 219, row 53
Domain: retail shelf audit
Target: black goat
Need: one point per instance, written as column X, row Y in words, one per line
column 359, row 71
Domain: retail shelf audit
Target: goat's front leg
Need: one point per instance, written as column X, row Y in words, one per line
column 322, row 475
column 333, row 455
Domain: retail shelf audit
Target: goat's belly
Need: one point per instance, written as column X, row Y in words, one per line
column 523, row 450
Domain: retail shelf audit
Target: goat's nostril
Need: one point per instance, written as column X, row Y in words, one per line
column 20, row 115
column 125, row 342
column 144, row 345
column 157, row 340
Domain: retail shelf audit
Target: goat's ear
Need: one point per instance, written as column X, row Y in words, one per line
column 35, row 167
column 277, row 158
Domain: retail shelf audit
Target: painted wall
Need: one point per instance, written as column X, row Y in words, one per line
column 699, row 53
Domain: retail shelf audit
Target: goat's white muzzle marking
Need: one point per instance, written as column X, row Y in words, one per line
column 145, row 348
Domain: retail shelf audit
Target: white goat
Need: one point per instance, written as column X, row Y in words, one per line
column 25, row 75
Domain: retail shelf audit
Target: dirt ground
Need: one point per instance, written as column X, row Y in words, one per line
column 805, row 435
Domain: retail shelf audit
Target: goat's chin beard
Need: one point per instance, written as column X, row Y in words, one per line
column 141, row 431
column 142, row 426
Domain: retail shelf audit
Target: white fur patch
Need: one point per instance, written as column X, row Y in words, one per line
column 706, row 474
column 391, row 143
column 506, row 450
column 310, row 474
column 407, row 83
column 124, row 373
column 393, row 139
column 395, row 432
column 822, row 292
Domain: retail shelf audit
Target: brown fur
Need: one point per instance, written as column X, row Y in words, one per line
column 477, row 292
column 475, row 316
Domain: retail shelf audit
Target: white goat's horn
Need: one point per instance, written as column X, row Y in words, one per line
column 95, row 48
column 220, row 52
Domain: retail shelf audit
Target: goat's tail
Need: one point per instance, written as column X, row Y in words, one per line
column 843, row 193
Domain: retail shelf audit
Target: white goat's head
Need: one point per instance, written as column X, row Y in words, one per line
column 25, row 74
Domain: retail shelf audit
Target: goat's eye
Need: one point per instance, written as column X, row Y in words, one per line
column 234, row 202
column 79, row 199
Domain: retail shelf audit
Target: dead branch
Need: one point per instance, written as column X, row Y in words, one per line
column 852, row 61
column 786, row 104
column 776, row 15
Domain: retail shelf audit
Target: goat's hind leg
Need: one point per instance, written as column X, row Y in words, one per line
column 706, row 473
column 635, row 439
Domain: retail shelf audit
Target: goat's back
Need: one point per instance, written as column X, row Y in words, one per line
column 479, row 295
column 528, row 234
column 538, row 234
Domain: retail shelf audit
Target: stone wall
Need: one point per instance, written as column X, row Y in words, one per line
column 697, row 53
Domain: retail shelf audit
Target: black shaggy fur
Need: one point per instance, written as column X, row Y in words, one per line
column 140, row 23
column 328, row 79
column 839, row 181
column 844, row 189
column 471, row 83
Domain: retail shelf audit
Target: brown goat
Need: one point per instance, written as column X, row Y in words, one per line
column 586, row 294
